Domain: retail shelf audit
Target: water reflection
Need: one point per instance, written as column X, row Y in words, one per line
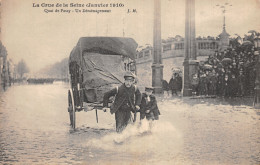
column 34, row 129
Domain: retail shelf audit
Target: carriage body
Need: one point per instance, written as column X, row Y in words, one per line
column 96, row 65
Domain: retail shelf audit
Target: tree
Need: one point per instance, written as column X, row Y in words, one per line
column 254, row 34
column 3, row 51
column 22, row 68
column 57, row 70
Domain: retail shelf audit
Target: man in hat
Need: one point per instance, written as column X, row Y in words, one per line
column 173, row 84
column 149, row 108
column 127, row 100
column 241, row 83
column 165, row 87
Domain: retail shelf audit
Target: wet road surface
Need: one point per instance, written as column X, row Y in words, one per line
column 34, row 129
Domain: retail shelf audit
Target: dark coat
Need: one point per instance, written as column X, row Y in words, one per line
column 152, row 106
column 122, row 96
column 173, row 84
column 226, row 87
column 233, row 85
column 203, row 86
column 179, row 83
column 165, row 85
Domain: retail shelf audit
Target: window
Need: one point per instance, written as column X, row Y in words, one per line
column 211, row 45
column 182, row 45
column 167, row 47
column 147, row 53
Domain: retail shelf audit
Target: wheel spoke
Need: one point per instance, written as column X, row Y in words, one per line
column 71, row 109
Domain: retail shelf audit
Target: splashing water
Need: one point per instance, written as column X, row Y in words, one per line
column 190, row 131
column 154, row 138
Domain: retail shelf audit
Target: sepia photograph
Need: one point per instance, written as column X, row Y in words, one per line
column 130, row 82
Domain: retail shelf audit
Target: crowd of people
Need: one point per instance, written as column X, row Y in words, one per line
column 174, row 85
column 230, row 73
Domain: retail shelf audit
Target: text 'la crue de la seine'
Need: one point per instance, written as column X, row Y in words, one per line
column 78, row 7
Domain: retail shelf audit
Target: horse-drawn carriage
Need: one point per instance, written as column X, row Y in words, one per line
column 96, row 65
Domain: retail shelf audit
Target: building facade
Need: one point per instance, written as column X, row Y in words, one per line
column 173, row 55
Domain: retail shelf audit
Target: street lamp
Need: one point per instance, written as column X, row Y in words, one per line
column 224, row 36
column 257, row 80
column 223, row 8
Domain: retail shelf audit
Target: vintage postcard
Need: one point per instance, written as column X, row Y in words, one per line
column 130, row 82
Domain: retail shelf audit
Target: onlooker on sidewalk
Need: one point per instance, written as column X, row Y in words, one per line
column 173, row 85
column 233, row 86
column 165, row 87
column 195, row 84
column 241, row 83
column 202, row 84
column 179, row 83
column 226, row 86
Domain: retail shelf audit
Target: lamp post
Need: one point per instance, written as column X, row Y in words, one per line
column 157, row 66
column 257, row 80
column 190, row 61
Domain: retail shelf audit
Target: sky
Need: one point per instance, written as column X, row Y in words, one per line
column 43, row 39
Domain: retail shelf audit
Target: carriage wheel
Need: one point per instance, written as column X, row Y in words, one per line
column 71, row 109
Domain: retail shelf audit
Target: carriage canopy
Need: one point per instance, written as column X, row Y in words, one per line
column 104, row 45
column 102, row 63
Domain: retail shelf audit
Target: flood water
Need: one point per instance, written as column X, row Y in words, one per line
column 34, row 129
